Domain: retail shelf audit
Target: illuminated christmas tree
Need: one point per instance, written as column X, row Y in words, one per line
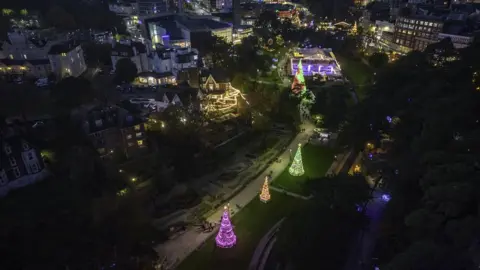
column 353, row 30
column 298, row 85
column 226, row 238
column 265, row 194
column 296, row 169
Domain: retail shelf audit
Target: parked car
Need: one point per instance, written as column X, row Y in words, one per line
column 42, row 82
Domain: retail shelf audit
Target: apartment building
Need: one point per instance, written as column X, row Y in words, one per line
column 151, row 7
column 20, row 162
column 67, row 59
column 417, row 32
column 26, row 53
column 135, row 51
column 113, row 130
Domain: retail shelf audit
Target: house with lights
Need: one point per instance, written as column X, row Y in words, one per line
column 219, row 100
column 26, row 53
column 67, row 59
column 113, row 130
column 20, row 162
column 149, row 78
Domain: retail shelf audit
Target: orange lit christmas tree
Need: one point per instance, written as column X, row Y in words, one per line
column 265, row 194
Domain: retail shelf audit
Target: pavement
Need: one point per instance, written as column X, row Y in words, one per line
column 178, row 249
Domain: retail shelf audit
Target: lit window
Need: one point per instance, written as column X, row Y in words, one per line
column 129, row 136
column 140, row 142
column 64, row 54
column 101, row 150
column 25, row 56
column 139, row 134
column 137, row 127
column 130, row 144
column 11, row 56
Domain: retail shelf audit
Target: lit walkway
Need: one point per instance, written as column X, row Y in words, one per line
column 179, row 248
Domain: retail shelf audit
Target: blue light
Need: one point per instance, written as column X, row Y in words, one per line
column 370, row 156
column 386, row 197
column 389, row 119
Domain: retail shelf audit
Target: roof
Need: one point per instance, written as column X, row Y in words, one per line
column 120, row 48
column 219, row 75
column 63, row 47
column 15, row 62
column 102, row 118
column 155, row 74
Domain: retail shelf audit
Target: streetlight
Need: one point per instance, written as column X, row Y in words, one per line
column 134, row 179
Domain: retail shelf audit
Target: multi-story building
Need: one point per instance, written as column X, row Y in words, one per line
column 221, row 4
column 417, row 32
column 67, row 59
column 185, row 30
column 135, row 51
column 20, row 162
column 113, row 130
column 459, row 41
column 174, row 59
column 151, row 7
column 26, row 53
column 123, row 9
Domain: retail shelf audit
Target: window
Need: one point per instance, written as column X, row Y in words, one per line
column 101, row 150
column 3, row 178
column 34, row 168
column 30, row 155
column 139, row 134
column 137, row 127
column 13, row 162
column 8, row 150
column 25, row 146
column 25, row 56
column 64, row 54
column 11, row 56
column 16, row 172
column 129, row 136
column 130, row 144
column 140, row 142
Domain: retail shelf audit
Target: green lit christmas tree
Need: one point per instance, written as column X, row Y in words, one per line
column 296, row 169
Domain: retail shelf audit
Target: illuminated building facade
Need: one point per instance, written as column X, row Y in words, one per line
column 417, row 33
column 219, row 98
column 315, row 61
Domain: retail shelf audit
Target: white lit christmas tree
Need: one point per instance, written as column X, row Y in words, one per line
column 296, row 169
column 265, row 194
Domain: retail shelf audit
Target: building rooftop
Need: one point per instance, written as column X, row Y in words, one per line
column 15, row 62
column 155, row 74
column 102, row 118
column 63, row 47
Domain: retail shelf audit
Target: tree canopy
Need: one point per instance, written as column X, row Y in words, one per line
column 427, row 105
column 125, row 71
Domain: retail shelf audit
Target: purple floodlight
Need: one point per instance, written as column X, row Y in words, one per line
column 386, row 197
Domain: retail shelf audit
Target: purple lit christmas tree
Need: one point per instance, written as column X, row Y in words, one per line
column 226, row 237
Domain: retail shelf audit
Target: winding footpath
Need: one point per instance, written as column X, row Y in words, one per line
column 176, row 250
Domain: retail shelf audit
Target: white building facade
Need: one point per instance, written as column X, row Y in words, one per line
column 67, row 59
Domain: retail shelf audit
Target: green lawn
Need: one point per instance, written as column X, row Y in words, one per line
column 357, row 72
column 316, row 161
column 251, row 224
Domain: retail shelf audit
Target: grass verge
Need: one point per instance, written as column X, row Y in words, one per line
column 251, row 224
column 316, row 161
